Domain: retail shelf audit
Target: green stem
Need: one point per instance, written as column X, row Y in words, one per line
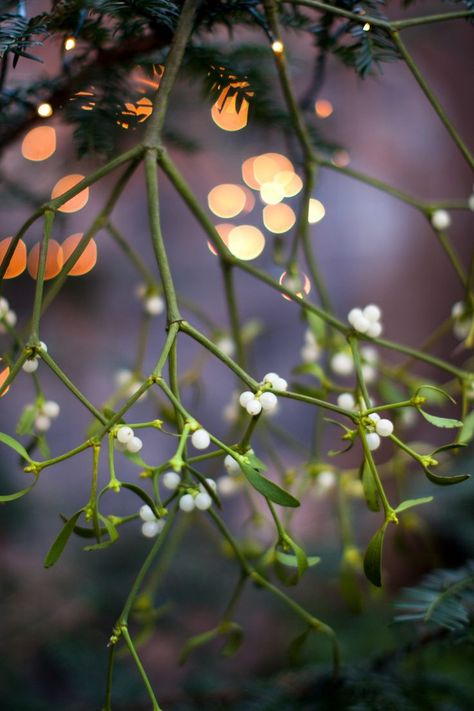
column 109, row 681
column 228, row 275
column 47, row 229
column 373, row 469
column 358, row 368
column 422, row 83
column 453, row 257
column 143, row 674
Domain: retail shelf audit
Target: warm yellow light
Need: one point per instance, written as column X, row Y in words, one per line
column 88, row 258
column 69, row 44
column 225, row 114
column 226, row 200
column 249, row 200
column 278, row 218
column 39, row 143
column 63, row 185
column 222, row 230
column 17, row 263
column 292, row 183
column 4, row 373
column 246, row 242
column 248, row 174
column 54, row 260
column 366, row 27
column 277, row 47
column 323, row 108
column 294, row 282
column 45, row 110
column 341, row 159
column 272, row 193
column 316, row 211
column 140, row 111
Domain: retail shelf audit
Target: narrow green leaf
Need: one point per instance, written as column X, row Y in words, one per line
column 373, row 557
column 292, row 561
column 5, row 498
column 60, row 543
column 467, row 432
column 255, row 462
column 26, row 421
column 311, row 369
column 13, row 444
column 446, row 422
column 113, row 535
column 445, row 480
column 369, row 487
column 447, row 447
column 410, row 503
column 435, row 389
column 142, row 495
column 268, row 488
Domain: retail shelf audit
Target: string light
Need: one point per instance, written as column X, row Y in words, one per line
column 45, row 110
column 226, row 200
column 278, row 47
column 222, row 230
column 69, row 44
column 366, row 27
column 323, row 108
column 278, row 218
column 88, row 258
column 246, row 242
column 54, row 260
column 39, row 143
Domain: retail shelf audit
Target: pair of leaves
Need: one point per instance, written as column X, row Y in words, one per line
column 443, row 422
column 290, row 561
column 252, row 467
column 373, row 554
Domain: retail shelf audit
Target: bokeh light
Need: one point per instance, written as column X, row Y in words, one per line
column 323, row 108
column 277, row 47
column 272, row 193
column 54, row 260
column 316, row 211
column 341, row 158
column 69, row 44
column 222, row 230
column 299, row 284
column 88, row 258
column 249, row 200
column 45, row 110
column 66, row 183
column 226, row 200
column 4, row 373
column 278, row 218
column 39, row 143
column 224, row 112
column 248, row 174
column 246, row 242
column 292, row 183
column 18, row 261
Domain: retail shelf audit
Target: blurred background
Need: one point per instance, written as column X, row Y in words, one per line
column 370, row 248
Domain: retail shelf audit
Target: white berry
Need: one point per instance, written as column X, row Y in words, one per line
column 43, row 346
column 203, row 501
column 186, row 503
column 150, row 529
column 154, row 305
column 200, row 439
column 42, row 423
column 10, row 318
column 470, row 202
column 440, row 219
column 226, row 345
column 374, row 330
column 346, row 401
column 171, row 480
column 134, row 445
column 271, row 378
column 357, row 320
column 124, row 435
column 232, row 466
column 372, row 313
column 246, row 397
column 146, row 513
column 280, row 384
column 342, row 364
column 373, row 441
column 51, row 409
column 369, row 373
column 268, row 401
column 370, row 354
column 31, row 365
column 458, row 309
column 254, row 407
column 375, row 417
column 4, row 306
column 384, row 428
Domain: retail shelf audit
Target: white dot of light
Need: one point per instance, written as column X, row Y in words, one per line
column 69, row 44
column 292, row 283
column 316, row 211
column 277, row 46
column 246, row 242
column 226, row 200
column 44, row 110
column 39, row 143
column 272, row 193
column 366, row 27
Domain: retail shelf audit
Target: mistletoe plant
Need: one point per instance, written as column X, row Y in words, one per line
column 176, row 36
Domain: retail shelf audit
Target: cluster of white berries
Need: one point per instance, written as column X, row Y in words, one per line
column 31, row 365
column 153, row 303
column 151, row 526
column 7, row 315
column 266, row 401
column 382, row 427
column 46, row 412
column 342, row 363
column 366, row 320
column 462, row 322
column 311, row 350
column 126, row 441
column 200, row 500
column 440, row 219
